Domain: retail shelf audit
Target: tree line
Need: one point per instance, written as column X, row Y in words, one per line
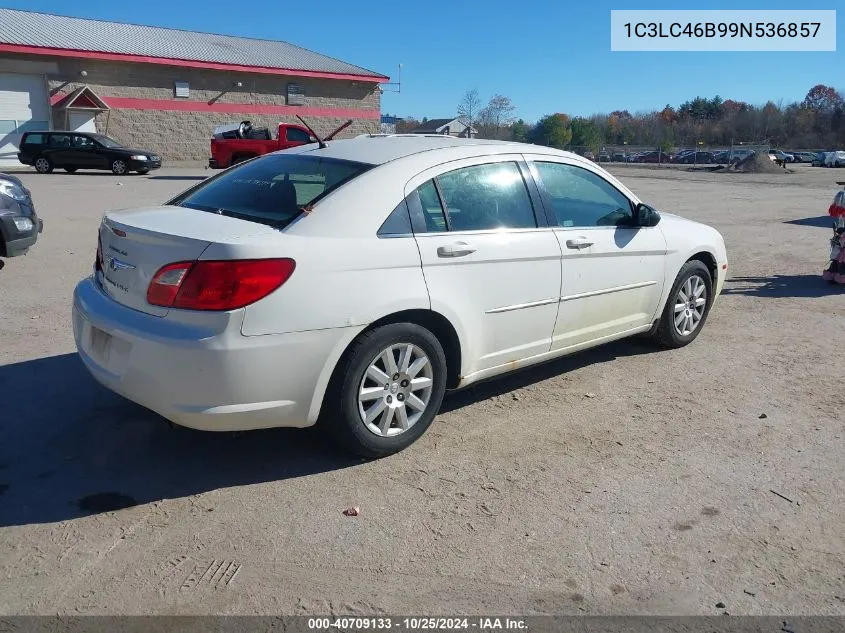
column 816, row 122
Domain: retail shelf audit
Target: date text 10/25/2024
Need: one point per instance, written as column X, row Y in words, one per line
column 476, row 623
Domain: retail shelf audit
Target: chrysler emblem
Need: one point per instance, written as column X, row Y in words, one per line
column 116, row 264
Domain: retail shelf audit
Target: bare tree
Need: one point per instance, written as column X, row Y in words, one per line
column 468, row 108
column 496, row 116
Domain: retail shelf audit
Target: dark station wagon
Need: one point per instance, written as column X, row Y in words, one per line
column 83, row 150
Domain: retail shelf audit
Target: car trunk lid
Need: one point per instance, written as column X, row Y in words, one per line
column 136, row 243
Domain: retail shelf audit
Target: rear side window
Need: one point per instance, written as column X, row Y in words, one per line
column 297, row 136
column 32, row 138
column 432, row 210
column 486, row 197
column 273, row 189
column 60, row 140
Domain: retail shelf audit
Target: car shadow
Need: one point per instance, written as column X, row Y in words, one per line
column 70, row 448
column 531, row 375
column 822, row 221
column 781, row 286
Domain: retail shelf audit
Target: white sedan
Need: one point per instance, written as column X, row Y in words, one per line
column 353, row 284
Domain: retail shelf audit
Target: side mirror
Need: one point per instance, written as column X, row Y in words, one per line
column 646, row 215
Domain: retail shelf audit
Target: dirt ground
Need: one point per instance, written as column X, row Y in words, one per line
column 711, row 474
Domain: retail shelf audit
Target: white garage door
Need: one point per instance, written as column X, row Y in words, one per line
column 24, row 106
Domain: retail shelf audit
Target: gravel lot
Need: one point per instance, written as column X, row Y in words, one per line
column 620, row 480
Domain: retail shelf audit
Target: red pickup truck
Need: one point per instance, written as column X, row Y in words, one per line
column 235, row 143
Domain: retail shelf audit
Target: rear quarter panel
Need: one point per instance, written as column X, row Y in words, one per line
column 338, row 281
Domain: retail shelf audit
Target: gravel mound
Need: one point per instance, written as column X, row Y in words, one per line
column 759, row 164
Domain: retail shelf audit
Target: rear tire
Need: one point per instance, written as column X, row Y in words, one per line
column 43, row 165
column 372, row 413
column 684, row 314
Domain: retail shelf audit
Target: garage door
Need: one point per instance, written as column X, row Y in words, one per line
column 24, row 106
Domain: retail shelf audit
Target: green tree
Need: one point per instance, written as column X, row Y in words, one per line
column 553, row 130
column 586, row 134
column 520, row 131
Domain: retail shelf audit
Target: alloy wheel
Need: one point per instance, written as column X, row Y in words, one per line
column 395, row 390
column 690, row 304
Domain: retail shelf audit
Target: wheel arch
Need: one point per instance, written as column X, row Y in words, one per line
column 701, row 254
column 433, row 321
column 708, row 259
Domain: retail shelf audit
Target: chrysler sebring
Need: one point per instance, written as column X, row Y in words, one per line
column 351, row 284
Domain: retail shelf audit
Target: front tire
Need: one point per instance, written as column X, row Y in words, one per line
column 43, row 165
column 687, row 307
column 386, row 390
column 119, row 167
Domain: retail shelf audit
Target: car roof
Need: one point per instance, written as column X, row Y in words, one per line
column 378, row 149
column 58, row 132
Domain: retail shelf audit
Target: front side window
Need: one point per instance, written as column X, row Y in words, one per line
column 82, row 142
column 273, row 189
column 106, row 141
column 580, row 198
column 484, row 197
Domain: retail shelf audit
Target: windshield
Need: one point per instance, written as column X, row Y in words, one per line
column 106, row 141
column 273, row 189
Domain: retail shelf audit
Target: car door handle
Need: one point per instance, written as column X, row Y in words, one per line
column 458, row 249
column 578, row 242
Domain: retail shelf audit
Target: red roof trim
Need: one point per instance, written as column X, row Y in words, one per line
column 131, row 103
column 186, row 63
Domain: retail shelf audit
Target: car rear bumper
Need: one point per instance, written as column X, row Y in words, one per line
column 209, row 379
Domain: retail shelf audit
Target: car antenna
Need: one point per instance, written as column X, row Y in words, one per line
column 313, row 133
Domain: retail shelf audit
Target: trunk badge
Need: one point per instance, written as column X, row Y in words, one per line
column 116, row 264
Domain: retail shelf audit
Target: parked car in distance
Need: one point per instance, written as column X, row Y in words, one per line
column 781, row 156
column 695, row 158
column 803, row 157
column 439, row 262
column 618, row 157
column 19, row 224
column 72, row 151
column 604, row 157
column 589, row 155
column 234, row 143
column 834, row 159
column 652, row 157
column 818, row 161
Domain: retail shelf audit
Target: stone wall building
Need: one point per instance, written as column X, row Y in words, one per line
column 166, row 90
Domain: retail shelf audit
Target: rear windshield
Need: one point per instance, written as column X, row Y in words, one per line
column 273, row 189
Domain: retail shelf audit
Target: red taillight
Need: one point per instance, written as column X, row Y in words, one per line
column 217, row 285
